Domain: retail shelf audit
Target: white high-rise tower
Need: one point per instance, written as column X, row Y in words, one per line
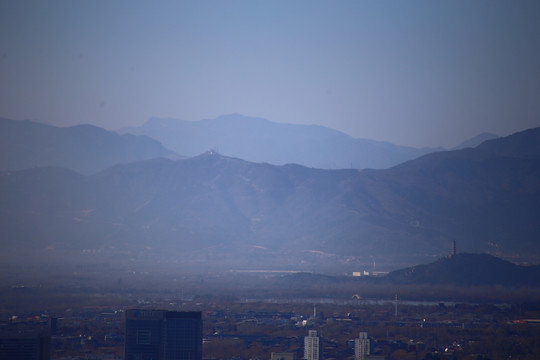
column 312, row 346
column 361, row 346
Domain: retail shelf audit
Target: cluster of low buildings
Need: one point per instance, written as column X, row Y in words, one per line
column 156, row 335
column 160, row 334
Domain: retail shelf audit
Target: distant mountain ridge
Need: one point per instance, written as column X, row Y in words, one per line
column 86, row 149
column 217, row 210
column 260, row 140
column 475, row 141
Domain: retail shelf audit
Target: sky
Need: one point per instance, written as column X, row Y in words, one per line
column 417, row 73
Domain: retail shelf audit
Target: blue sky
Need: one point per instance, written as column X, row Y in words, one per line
column 420, row 73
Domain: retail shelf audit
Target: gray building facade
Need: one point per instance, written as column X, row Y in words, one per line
column 25, row 345
column 163, row 335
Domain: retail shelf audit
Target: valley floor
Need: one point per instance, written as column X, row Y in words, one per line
column 249, row 316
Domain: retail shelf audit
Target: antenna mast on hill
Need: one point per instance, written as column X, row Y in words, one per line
column 453, row 248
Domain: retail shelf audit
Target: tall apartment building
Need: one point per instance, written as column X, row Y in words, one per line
column 313, row 346
column 163, row 335
column 25, row 345
column 361, row 346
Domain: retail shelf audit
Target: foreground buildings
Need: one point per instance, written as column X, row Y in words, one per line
column 313, row 346
column 163, row 335
column 24, row 345
column 283, row 356
column 361, row 346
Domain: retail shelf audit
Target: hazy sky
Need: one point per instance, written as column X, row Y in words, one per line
column 421, row 73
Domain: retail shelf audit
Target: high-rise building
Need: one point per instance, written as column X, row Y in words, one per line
column 163, row 335
column 361, row 346
column 312, row 346
column 53, row 325
column 25, row 345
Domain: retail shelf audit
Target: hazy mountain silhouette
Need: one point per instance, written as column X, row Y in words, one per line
column 84, row 148
column 259, row 140
column 468, row 269
column 476, row 140
column 213, row 209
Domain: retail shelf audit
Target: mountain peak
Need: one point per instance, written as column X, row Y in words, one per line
column 259, row 140
column 83, row 148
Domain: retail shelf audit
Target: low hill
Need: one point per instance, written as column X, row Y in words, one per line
column 467, row 270
column 85, row 149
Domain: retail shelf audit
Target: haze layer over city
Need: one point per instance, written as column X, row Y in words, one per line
column 250, row 162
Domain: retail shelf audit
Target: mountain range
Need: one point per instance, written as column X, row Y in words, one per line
column 214, row 210
column 259, row 140
column 86, row 149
